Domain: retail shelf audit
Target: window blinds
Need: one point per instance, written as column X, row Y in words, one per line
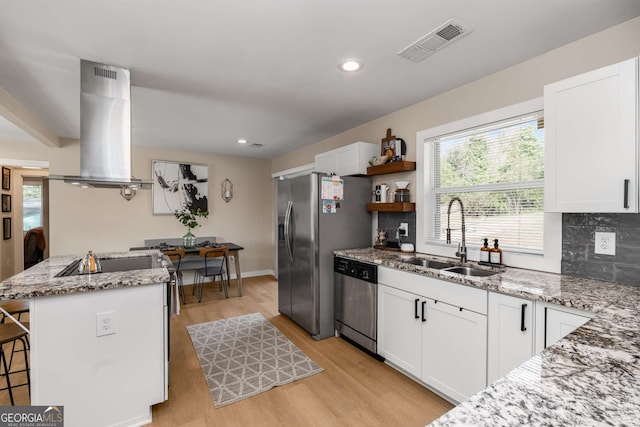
column 498, row 171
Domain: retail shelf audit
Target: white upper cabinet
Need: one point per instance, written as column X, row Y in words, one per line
column 352, row 159
column 591, row 141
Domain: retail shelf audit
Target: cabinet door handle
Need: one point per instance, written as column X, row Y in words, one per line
column 522, row 309
column 416, row 308
column 626, row 194
column 424, row 319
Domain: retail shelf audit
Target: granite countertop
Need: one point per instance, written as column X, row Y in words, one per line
column 40, row 279
column 590, row 377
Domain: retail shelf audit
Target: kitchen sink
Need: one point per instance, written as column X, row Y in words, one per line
column 428, row 263
column 470, row 271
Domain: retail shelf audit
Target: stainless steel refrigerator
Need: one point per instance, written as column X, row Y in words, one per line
column 308, row 233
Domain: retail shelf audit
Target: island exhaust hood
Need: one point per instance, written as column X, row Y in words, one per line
column 105, row 130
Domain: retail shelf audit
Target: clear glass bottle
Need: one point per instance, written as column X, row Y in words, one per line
column 89, row 264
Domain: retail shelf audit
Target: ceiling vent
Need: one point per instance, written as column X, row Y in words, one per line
column 445, row 34
column 256, row 145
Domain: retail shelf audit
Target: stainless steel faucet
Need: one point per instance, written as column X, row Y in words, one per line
column 462, row 249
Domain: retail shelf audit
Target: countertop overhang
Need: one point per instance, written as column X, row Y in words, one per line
column 590, row 377
column 40, row 280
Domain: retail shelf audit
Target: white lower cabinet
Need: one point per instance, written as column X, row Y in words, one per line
column 399, row 329
column 454, row 350
column 457, row 339
column 554, row 322
column 443, row 345
column 510, row 335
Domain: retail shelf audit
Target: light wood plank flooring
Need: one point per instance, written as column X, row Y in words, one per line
column 353, row 390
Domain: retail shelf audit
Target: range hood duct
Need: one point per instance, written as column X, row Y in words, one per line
column 105, row 130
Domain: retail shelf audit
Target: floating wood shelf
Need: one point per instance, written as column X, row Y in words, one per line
column 392, row 167
column 391, row 207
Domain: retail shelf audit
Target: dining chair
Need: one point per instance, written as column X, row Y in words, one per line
column 177, row 255
column 213, row 267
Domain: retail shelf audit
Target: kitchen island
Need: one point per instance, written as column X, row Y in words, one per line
column 590, row 377
column 99, row 342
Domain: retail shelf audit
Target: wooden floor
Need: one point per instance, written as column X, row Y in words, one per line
column 353, row 390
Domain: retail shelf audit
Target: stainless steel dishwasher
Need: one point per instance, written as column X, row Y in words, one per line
column 356, row 302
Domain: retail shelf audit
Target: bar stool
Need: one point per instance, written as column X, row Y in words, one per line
column 10, row 333
column 14, row 307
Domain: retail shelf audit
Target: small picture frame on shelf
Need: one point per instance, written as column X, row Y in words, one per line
column 6, row 178
column 6, row 203
column 6, row 228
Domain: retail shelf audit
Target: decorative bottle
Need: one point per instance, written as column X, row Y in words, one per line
column 188, row 240
column 495, row 255
column 485, row 251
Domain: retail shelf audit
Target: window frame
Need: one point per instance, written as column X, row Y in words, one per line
column 549, row 260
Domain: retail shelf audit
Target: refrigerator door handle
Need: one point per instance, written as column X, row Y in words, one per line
column 287, row 229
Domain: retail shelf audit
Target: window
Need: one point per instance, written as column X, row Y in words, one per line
column 32, row 204
column 530, row 240
column 497, row 170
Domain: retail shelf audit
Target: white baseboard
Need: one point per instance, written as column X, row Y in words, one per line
column 187, row 275
column 255, row 273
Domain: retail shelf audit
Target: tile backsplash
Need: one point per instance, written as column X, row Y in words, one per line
column 578, row 247
column 389, row 221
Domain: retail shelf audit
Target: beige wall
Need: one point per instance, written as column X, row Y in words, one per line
column 516, row 84
column 101, row 220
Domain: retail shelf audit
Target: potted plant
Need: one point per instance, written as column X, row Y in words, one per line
column 188, row 216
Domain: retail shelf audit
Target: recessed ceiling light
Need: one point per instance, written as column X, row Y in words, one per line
column 350, row 65
column 242, row 141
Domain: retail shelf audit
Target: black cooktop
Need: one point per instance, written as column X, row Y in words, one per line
column 111, row 265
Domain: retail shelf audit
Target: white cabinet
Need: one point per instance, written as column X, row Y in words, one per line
column 591, row 140
column 554, row 322
column 429, row 329
column 454, row 356
column 511, row 334
column 399, row 332
column 352, row 159
column 125, row 371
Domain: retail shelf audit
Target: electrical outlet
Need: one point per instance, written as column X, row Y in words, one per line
column 106, row 323
column 404, row 226
column 605, row 243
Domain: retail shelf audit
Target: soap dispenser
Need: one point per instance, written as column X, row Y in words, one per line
column 484, row 251
column 495, row 255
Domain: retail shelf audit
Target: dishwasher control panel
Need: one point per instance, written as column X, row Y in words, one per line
column 356, row 269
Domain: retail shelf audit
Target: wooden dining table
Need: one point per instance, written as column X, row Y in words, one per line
column 193, row 260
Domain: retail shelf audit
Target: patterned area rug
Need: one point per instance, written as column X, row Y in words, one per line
column 246, row 355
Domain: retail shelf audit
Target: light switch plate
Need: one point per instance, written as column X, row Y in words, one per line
column 605, row 243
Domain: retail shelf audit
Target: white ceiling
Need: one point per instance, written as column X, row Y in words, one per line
column 206, row 73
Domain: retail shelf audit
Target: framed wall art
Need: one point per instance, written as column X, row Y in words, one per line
column 6, row 228
column 6, row 178
column 177, row 184
column 6, row 203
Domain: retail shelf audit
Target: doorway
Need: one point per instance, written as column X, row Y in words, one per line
column 34, row 218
